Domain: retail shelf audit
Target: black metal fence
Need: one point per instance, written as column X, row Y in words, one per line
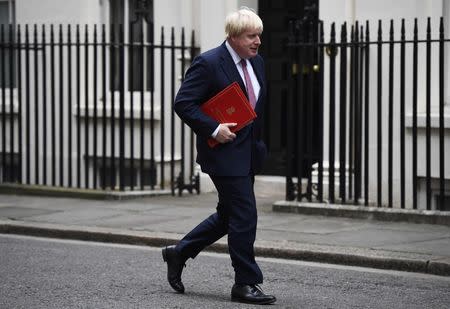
column 379, row 140
column 91, row 107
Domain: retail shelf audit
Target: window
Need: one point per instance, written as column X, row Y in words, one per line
column 7, row 20
column 110, row 174
column 137, row 18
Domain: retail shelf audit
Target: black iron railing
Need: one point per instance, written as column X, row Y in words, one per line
column 85, row 107
column 368, row 108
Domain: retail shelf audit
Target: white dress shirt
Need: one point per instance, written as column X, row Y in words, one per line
column 251, row 73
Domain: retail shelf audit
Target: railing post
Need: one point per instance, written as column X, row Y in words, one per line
column 27, row 105
column 441, row 115
column 351, row 112
column 36, row 107
column 332, row 122
column 152, row 104
column 163, row 110
column 61, row 108
column 95, row 102
column 130, row 71
column 428, row 115
column 69, row 104
column 3, row 96
column 310, row 108
column 112, row 57
column 172, row 112
column 414, row 111
column 379, row 115
column 121, row 110
column 366, row 117
column 194, row 179
column 402, row 116
column 391, row 113
column 343, row 114
column 11, row 106
column 20, row 102
column 293, row 73
column 53, row 103
column 180, row 181
column 86, row 107
column 300, row 108
column 321, row 49
column 142, row 106
column 78, row 117
column 357, row 118
column 359, row 149
column 104, row 95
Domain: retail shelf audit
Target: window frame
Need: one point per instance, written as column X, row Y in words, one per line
column 12, row 11
column 11, row 21
column 116, row 17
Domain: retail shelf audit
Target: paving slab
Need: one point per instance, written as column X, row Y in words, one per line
column 23, row 212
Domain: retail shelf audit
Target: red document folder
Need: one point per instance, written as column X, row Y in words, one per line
column 229, row 105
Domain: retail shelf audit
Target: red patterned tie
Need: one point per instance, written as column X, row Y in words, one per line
column 248, row 82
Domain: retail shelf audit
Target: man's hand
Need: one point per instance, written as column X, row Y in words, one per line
column 225, row 135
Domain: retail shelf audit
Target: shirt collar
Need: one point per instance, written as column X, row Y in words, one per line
column 233, row 53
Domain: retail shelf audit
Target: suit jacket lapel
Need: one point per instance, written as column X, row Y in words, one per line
column 258, row 72
column 259, row 75
column 229, row 67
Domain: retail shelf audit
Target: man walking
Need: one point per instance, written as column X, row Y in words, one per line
column 233, row 163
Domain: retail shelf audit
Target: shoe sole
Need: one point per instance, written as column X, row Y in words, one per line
column 238, row 300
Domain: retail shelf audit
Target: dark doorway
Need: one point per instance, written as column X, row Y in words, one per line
column 276, row 15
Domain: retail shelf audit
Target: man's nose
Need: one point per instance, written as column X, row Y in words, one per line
column 258, row 40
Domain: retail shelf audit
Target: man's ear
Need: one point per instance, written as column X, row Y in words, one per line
column 232, row 39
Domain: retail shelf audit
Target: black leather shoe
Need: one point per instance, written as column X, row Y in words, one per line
column 251, row 294
column 175, row 264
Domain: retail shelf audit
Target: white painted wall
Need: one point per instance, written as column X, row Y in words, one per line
column 446, row 15
column 211, row 16
column 56, row 12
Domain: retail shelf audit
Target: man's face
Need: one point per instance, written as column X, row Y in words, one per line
column 247, row 43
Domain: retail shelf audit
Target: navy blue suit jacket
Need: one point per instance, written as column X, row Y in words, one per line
column 208, row 74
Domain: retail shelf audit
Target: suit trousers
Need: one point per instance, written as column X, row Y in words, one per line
column 236, row 216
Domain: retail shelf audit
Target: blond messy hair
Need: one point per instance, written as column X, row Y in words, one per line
column 242, row 20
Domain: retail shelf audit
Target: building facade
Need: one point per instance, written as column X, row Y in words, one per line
column 206, row 17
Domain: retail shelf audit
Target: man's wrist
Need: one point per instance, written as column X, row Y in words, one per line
column 214, row 134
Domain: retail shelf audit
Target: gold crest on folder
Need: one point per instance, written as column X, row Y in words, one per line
column 230, row 110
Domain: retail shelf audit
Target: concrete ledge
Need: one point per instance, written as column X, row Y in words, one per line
column 92, row 194
column 306, row 252
column 355, row 260
column 363, row 212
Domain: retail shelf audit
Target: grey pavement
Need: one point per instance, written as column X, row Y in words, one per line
column 164, row 219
